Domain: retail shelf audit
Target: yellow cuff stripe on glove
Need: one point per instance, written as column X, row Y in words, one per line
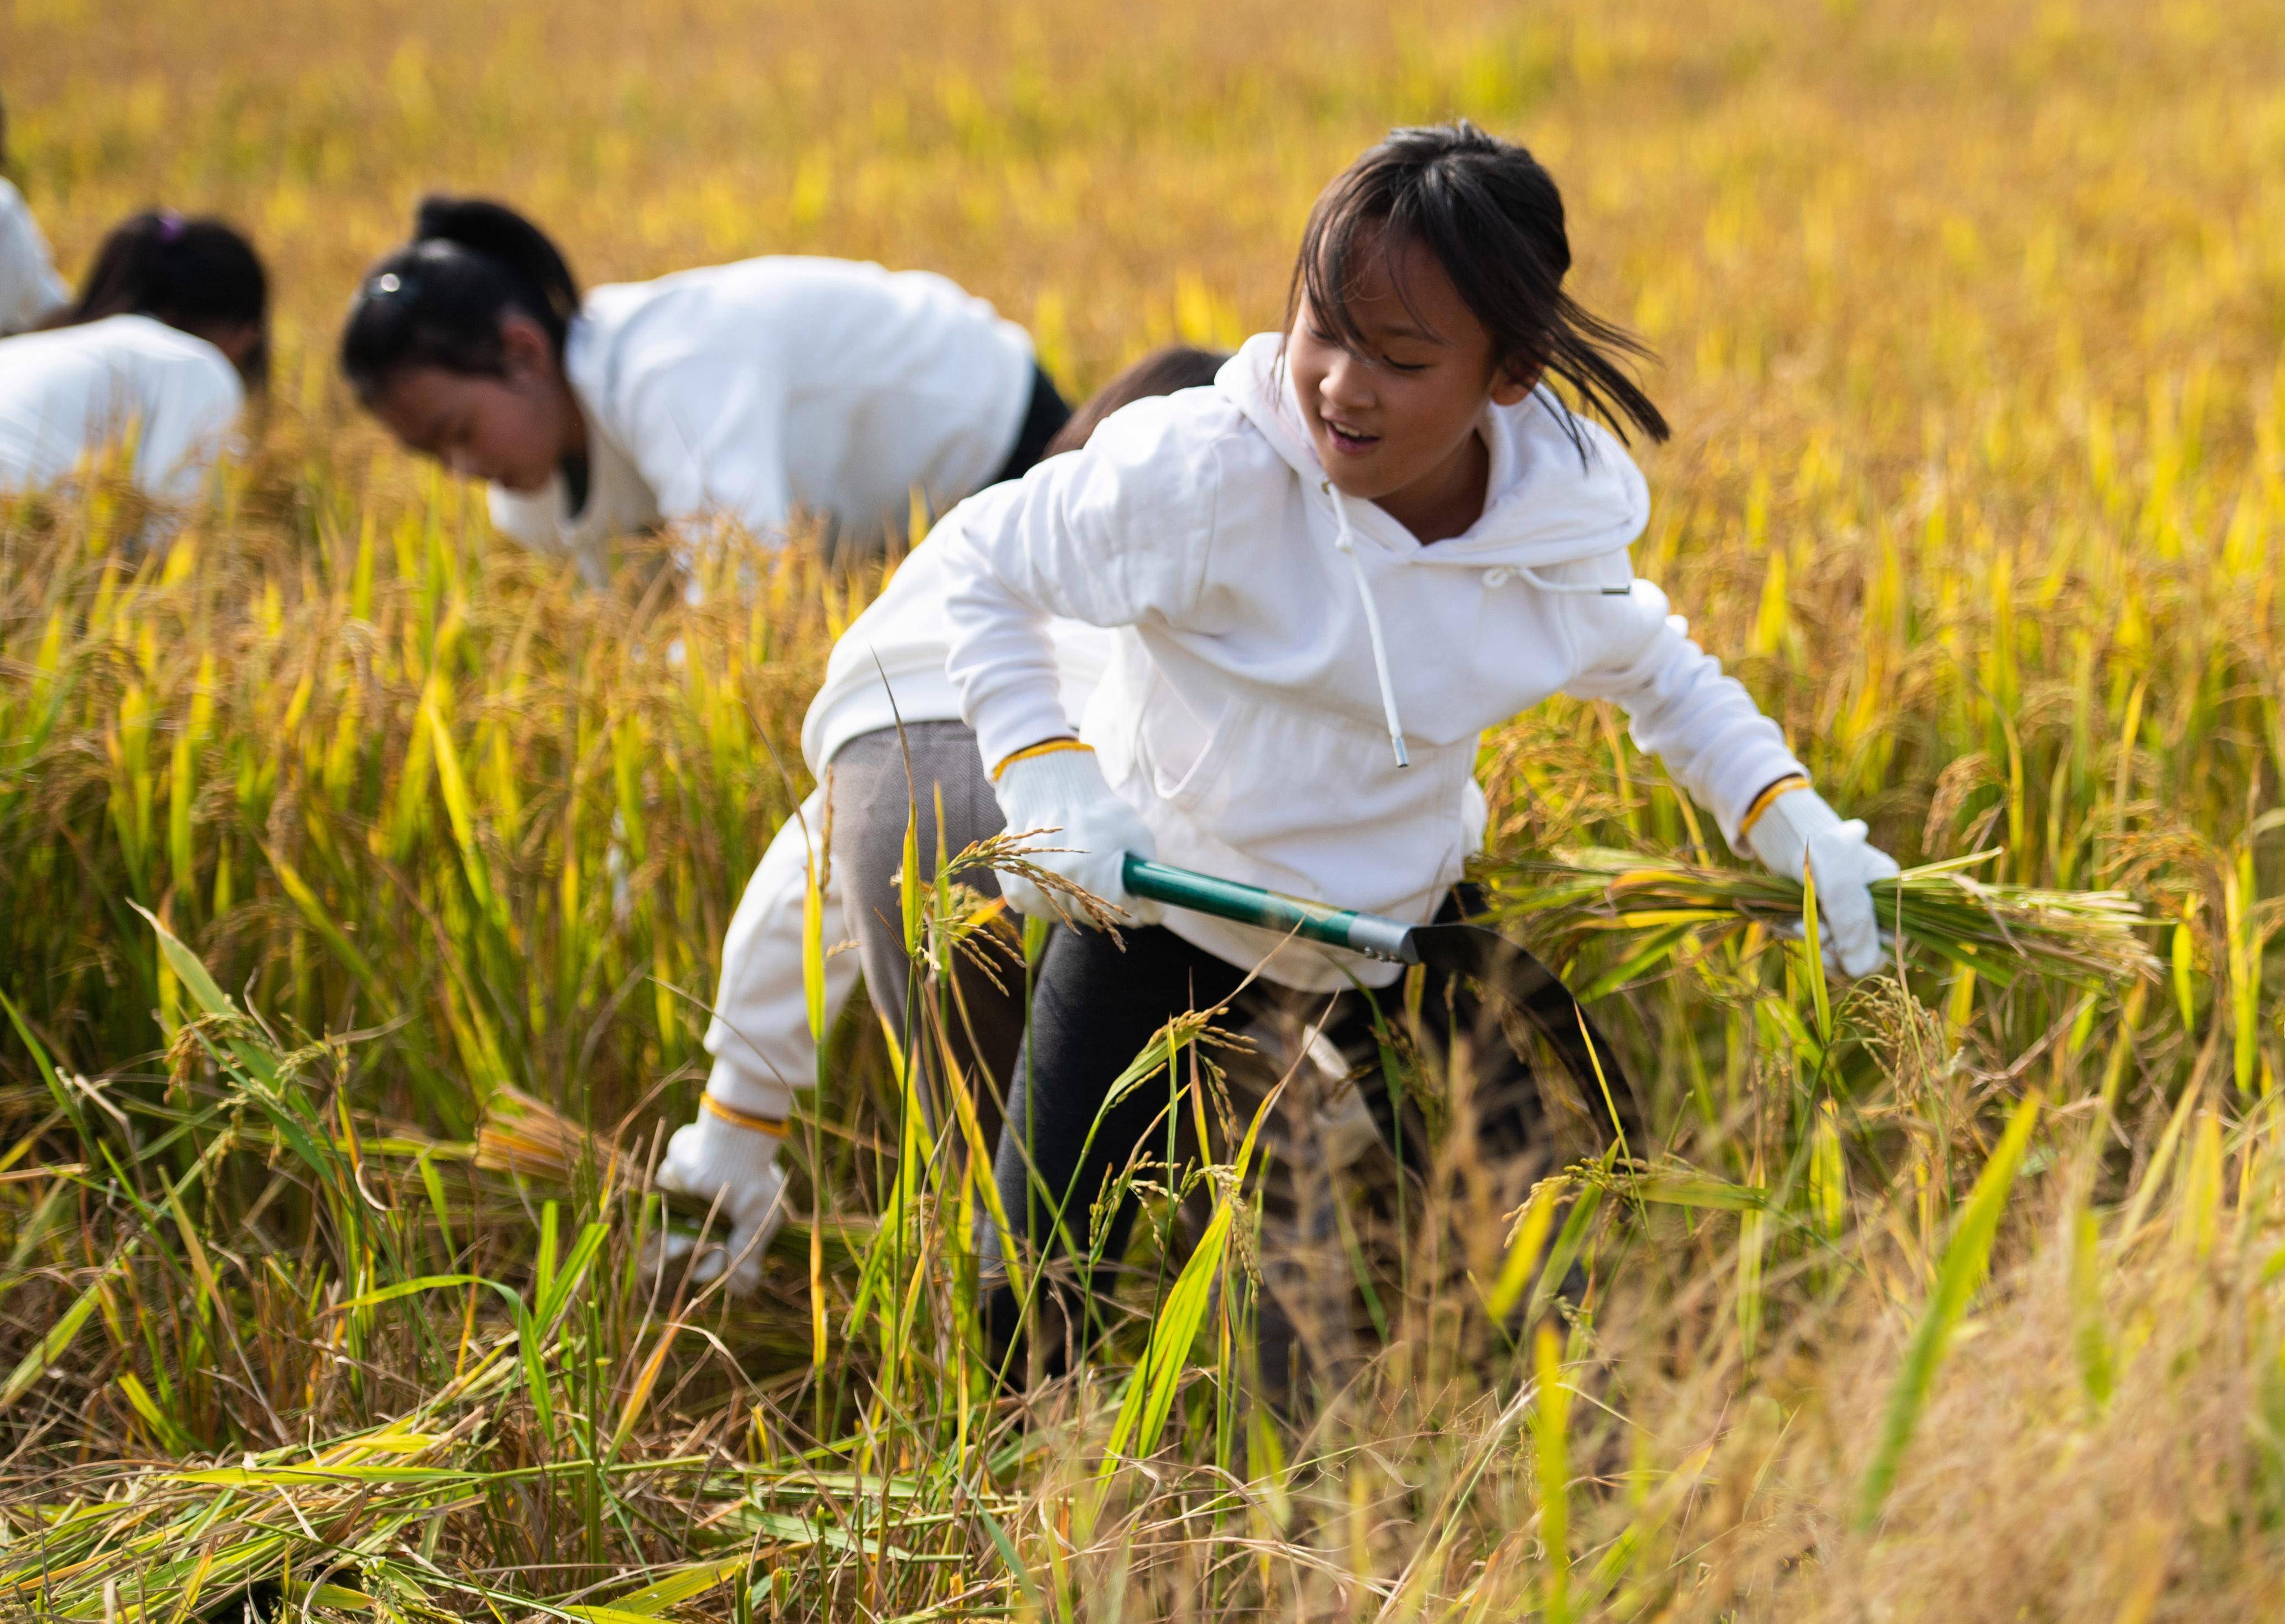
column 1046, row 747
column 1768, row 797
column 775, row 1126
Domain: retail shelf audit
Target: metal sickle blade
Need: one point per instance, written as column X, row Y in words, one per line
column 1515, row 974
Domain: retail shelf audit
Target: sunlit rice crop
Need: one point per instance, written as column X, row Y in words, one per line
column 363, row 880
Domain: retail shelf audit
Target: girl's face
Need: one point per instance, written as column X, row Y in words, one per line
column 1394, row 420
column 513, row 429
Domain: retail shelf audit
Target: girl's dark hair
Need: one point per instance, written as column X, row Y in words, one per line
column 438, row 300
column 1162, row 371
column 1494, row 219
column 200, row 276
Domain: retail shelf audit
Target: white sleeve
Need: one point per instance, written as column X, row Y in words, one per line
column 1700, row 723
column 707, row 434
column 29, row 286
column 185, row 424
column 759, row 1035
column 1110, row 535
column 524, row 519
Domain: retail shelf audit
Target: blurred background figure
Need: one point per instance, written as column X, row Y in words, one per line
column 159, row 350
column 745, row 392
column 29, row 286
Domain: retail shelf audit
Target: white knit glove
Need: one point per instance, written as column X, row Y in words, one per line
column 711, row 1157
column 1060, row 796
column 1798, row 832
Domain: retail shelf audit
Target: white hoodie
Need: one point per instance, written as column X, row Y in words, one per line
column 746, row 392
column 72, row 393
column 1282, row 644
column 29, row 286
column 759, row 1033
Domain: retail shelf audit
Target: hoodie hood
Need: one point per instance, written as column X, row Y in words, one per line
column 1549, row 499
column 1545, row 504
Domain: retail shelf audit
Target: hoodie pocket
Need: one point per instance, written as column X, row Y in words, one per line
column 1178, row 748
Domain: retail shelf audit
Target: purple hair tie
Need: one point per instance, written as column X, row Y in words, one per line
column 170, row 226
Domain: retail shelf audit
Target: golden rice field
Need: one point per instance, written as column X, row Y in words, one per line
column 336, row 828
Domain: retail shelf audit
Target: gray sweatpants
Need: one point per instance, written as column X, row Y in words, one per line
column 870, row 797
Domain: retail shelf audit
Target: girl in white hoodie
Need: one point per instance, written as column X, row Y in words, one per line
column 885, row 700
column 160, row 349
column 1380, row 534
column 743, row 393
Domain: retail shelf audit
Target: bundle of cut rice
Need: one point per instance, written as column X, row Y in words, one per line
column 526, row 1136
column 530, row 1139
column 1655, row 905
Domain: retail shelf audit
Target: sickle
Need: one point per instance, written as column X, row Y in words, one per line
column 1502, row 967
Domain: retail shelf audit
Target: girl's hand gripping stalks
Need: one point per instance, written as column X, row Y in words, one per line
column 1797, row 832
column 732, row 1166
column 1056, row 786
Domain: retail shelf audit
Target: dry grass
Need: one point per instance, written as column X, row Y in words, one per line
column 1972, row 319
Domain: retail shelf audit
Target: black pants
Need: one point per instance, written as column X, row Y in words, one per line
column 1094, row 1008
column 1043, row 419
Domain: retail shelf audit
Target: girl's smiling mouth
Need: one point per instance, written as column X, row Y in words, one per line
column 1346, row 439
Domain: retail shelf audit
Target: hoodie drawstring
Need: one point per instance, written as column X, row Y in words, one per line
column 1345, row 541
column 1576, row 589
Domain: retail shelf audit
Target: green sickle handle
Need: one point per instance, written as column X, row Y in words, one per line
column 1369, row 934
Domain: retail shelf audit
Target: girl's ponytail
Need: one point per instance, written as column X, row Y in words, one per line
column 438, row 300
column 202, row 277
column 1494, row 219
